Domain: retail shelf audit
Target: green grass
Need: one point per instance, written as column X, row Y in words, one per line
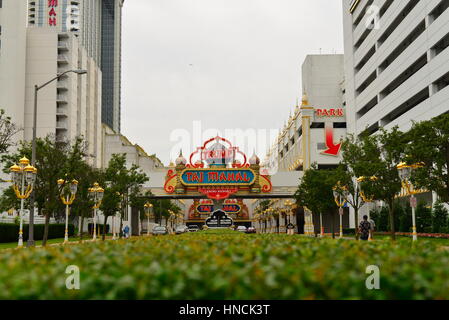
column 224, row 264
column 38, row 243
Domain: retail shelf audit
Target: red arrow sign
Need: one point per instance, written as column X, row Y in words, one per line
column 332, row 149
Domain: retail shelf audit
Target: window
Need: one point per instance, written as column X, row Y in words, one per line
column 436, row 13
column 421, row 96
column 442, row 82
column 441, row 45
column 366, row 83
column 373, row 102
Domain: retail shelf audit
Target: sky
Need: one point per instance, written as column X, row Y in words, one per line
column 192, row 69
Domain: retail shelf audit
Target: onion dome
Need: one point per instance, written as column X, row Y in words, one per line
column 218, row 154
column 181, row 160
column 254, row 159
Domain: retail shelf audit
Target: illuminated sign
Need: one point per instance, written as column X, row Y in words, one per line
column 228, row 177
column 333, row 112
column 208, row 208
column 52, row 4
column 219, row 219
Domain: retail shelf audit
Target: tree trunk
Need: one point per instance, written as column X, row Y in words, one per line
column 356, row 221
column 332, row 224
column 121, row 226
column 81, row 227
column 47, row 223
column 391, row 214
column 104, row 227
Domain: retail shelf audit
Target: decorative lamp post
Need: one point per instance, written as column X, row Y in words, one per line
column 148, row 212
column 405, row 173
column 23, row 177
column 365, row 198
column 67, row 194
column 340, row 201
column 97, row 193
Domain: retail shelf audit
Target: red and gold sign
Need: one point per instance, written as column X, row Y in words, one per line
column 218, row 170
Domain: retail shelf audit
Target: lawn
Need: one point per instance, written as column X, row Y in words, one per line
column 223, row 264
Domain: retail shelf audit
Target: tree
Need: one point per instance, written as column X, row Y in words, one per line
column 380, row 155
column 351, row 160
column 428, row 144
column 121, row 182
column 7, row 131
column 315, row 192
column 440, row 217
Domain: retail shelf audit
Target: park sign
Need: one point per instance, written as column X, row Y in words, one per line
column 217, row 170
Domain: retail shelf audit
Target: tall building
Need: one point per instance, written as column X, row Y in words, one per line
column 396, row 62
column 98, row 25
column 12, row 60
column 111, row 53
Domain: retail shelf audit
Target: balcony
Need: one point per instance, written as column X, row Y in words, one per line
column 63, row 59
column 63, row 45
column 62, row 85
column 61, row 99
column 61, row 125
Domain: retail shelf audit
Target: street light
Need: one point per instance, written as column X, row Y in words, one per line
column 148, row 211
column 340, row 192
column 96, row 192
column 405, row 173
column 67, row 193
column 30, row 242
column 23, row 177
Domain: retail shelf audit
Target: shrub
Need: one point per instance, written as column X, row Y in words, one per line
column 9, row 232
column 221, row 265
column 90, row 227
column 439, row 219
column 423, row 218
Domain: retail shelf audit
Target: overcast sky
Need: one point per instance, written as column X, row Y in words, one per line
column 231, row 64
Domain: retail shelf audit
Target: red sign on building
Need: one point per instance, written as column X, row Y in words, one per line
column 52, row 4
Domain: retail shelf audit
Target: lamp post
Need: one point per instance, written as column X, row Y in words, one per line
column 340, row 201
column 365, row 198
column 67, row 194
column 96, row 192
column 148, row 211
column 30, row 242
column 23, row 177
column 405, row 173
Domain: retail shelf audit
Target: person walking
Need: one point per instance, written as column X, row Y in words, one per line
column 364, row 228
column 372, row 228
column 126, row 231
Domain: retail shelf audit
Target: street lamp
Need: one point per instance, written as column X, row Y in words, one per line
column 148, row 211
column 405, row 173
column 67, row 193
column 340, row 192
column 96, row 192
column 23, row 177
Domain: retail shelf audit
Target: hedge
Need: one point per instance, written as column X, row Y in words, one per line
column 90, row 227
column 232, row 265
column 9, row 232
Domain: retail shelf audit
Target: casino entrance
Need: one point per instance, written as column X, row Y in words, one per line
column 220, row 186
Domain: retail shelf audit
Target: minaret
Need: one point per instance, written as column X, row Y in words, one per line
column 307, row 114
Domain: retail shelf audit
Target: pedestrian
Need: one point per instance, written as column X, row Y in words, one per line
column 126, row 231
column 372, row 228
column 364, row 228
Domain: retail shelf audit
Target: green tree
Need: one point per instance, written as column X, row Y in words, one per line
column 428, row 144
column 440, row 217
column 380, row 156
column 315, row 192
column 122, row 182
column 8, row 129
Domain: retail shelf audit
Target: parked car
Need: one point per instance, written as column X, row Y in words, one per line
column 241, row 229
column 251, row 230
column 181, row 229
column 160, row 230
column 194, row 228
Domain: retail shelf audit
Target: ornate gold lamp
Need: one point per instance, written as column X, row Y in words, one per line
column 67, row 193
column 96, row 193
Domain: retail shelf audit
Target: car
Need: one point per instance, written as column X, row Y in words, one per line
column 251, row 230
column 159, row 230
column 181, row 229
column 241, row 229
column 193, row 228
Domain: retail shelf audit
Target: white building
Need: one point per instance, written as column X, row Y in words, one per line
column 396, row 62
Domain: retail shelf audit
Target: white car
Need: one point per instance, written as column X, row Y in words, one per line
column 241, row 229
column 160, row 230
column 181, row 229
